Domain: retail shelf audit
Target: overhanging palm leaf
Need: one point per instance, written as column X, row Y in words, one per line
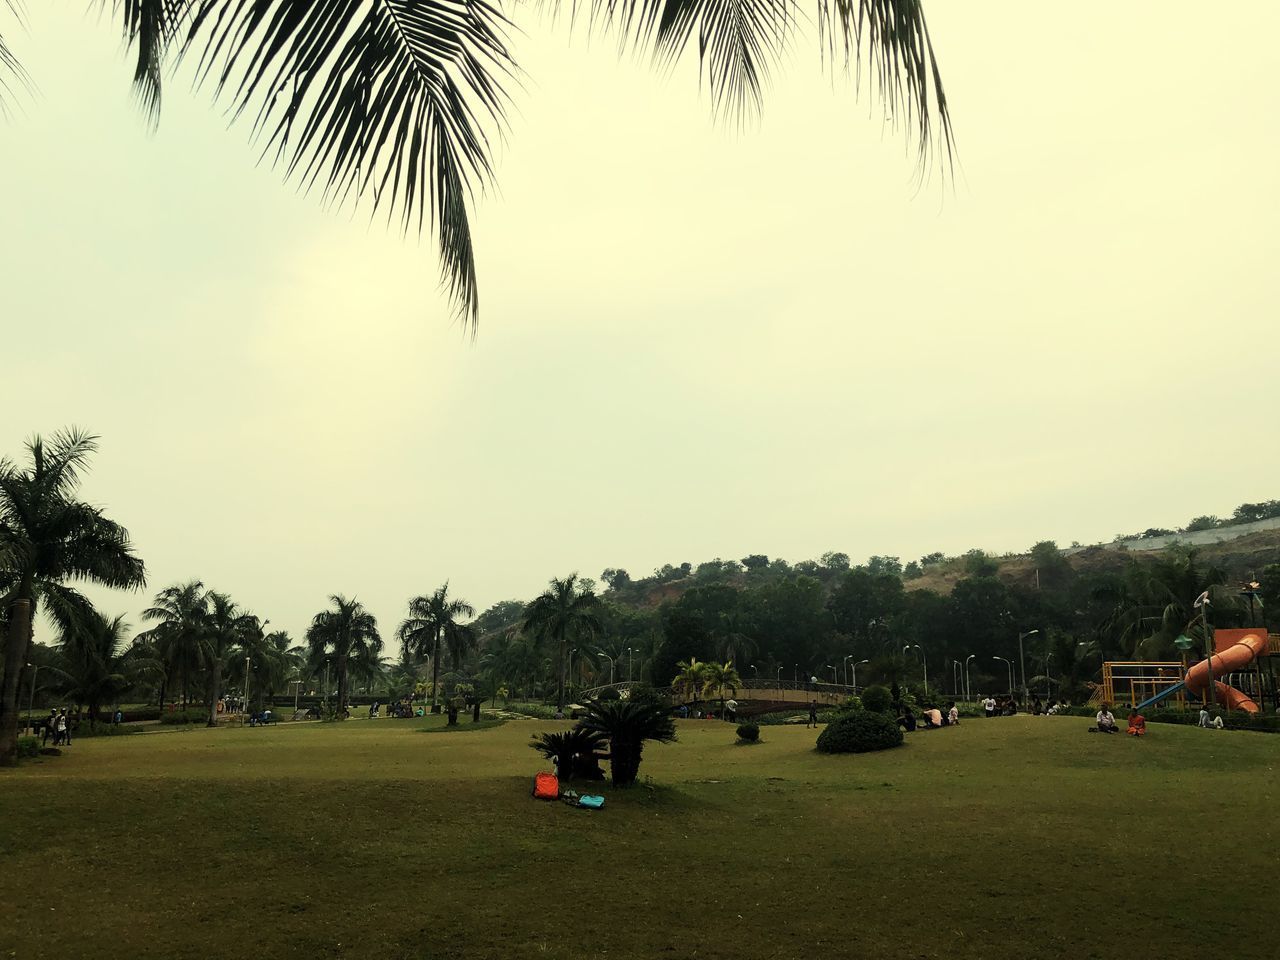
column 395, row 101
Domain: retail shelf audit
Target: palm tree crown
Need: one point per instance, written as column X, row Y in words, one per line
column 347, row 634
column 431, row 619
column 559, row 613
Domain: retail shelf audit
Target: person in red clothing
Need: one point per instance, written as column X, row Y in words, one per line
column 1137, row 724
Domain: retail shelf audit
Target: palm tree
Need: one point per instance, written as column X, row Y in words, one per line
column 47, row 538
column 395, row 102
column 430, row 619
column 560, row 612
column 348, row 635
column 691, row 679
column 94, row 668
column 224, row 629
column 719, row 679
column 273, row 660
column 179, row 613
column 627, row 724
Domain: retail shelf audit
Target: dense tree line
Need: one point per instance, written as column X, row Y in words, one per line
column 753, row 618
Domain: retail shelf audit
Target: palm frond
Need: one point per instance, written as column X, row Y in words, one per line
column 13, row 76
column 389, row 101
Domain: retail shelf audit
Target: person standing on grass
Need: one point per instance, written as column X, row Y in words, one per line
column 813, row 714
column 50, row 728
column 953, row 715
column 62, row 733
column 989, row 706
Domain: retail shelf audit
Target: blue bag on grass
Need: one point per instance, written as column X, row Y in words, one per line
column 595, row 803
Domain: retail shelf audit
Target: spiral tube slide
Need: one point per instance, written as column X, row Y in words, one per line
column 1235, row 657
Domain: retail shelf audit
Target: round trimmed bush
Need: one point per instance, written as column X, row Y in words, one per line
column 860, row 731
column 749, row 732
column 876, row 699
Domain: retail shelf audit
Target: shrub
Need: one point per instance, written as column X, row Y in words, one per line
column 852, row 703
column 28, row 747
column 185, row 716
column 860, row 732
column 749, row 732
column 876, row 699
column 610, row 693
column 627, row 724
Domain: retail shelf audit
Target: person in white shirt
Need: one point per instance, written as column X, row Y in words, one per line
column 953, row 716
column 989, row 706
column 1106, row 720
column 1204, row 716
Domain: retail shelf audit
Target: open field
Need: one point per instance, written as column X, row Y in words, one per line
column 1017, row 837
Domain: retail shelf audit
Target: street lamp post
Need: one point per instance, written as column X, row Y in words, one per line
column 855, row 673
column 779, row 676
column 1202, row 602
column 1022, row 660
column 924, row 662
column 1009, row 664
column 968, row 679
column 610, row 659
column 324, row 692
column 835, row 678
column 297, row 690
column 246, row 686
column 630, row 656
column 844, row 667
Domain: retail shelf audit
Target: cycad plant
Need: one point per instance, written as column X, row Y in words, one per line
column 627, row 724
column 576, row 752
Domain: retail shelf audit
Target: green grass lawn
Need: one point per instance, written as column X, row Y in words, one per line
column 1018, row 837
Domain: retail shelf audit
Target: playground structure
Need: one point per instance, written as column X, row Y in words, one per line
column 1243, row 667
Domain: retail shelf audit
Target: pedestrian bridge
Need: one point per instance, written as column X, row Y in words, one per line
column 753, row 696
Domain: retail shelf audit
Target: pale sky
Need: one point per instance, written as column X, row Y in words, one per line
column 694, row 342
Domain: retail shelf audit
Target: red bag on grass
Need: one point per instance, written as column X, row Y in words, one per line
column 546, row 786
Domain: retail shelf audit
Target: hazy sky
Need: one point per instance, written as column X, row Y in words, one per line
column 694, row 342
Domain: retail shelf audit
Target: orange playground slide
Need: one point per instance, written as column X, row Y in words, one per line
column 1235, row 657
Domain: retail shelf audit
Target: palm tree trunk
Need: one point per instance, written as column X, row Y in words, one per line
column 342, row 685
column 15, row 657
column 560, row 674
column 213, row 697
column 435, row 670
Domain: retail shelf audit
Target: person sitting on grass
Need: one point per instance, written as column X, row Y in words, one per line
column 953, row 715
column 1037, row 707
column 908, row 720
column 1107, row 720
column 1137, row 723
column 932, row 717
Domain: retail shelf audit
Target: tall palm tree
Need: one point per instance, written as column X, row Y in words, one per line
column 273, row 661
column 720, row 679
column 223, row 631
column 348, row 635
column 179, row 613
column 431, row 619
column 559, row 613
column 395, row 102
column 48, row 538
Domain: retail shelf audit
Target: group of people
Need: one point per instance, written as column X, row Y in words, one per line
column 1106, row 721
column 930, row 717
column 58, row 726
